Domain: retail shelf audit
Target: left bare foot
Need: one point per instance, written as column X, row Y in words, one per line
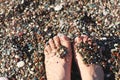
column 58, row 68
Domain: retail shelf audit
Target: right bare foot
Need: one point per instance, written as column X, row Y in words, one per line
column 91, row 72
column 58, row 68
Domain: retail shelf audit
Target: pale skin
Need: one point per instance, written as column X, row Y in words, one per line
column 60, row 68
column 91, row 71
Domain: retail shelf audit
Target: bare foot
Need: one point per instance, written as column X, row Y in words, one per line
column 58, row 68
column 91, row 72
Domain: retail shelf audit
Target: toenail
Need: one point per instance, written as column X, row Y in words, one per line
column 50, row 40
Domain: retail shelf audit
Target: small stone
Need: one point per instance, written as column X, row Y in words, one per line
column 20, row 64
column 29, row 64
column 92, row 5
column 8, row 52
column 108, row 75
column 31, row 72
column 58, row 7
column 116, row 45
column 2, row 11
column 103, row 38
column 113, row 50
column 3, row 78
column 22, row 1
column 16, row 56
column 105, row 11
column 35, row 78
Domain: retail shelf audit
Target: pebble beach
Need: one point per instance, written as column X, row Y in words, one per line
column 27, row 25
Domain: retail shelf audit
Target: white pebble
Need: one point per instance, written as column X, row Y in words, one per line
column 105, row 12
column 31, row 72
column 58, row 7
column 22, row 1
column 16, row 56
column 113, row 50
column 3, row 78
column 116, row 45
column 103, row 38
column 2, row 11
column 20, row 64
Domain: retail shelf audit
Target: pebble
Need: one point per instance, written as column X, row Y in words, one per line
column 115, row 45
column 113, row 50
column 16, row 56
column 103, row 38
column 3, row 78
column 20, row 64
column 31, row 72
column 105, row 12
column 58, row 7
column 2, row 11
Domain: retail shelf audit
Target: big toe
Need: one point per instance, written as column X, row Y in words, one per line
column 64, row 40
column 57, row 59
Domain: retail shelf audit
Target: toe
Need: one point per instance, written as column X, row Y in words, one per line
column 52, row 44
column 65, row 41
column 47, row 49
column 85, row 38
column 89, row 41
column 78, row 39
column 56, row 41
